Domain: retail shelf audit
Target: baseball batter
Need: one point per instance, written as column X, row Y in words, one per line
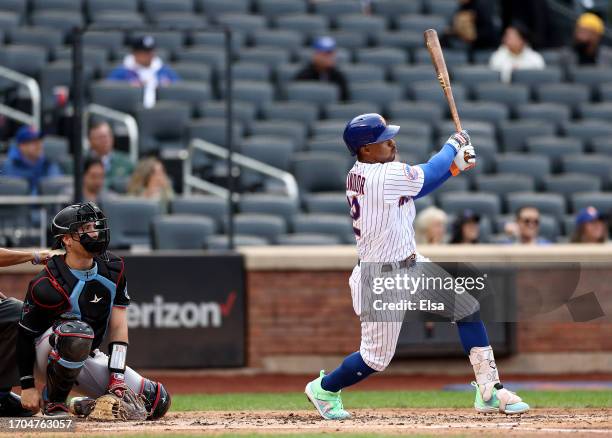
column 381, row 193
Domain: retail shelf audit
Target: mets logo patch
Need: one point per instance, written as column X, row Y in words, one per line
column 411, row 172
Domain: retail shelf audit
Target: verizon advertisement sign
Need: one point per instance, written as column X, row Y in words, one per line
column 186, row 311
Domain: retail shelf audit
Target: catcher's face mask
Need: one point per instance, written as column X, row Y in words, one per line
column 86, row 224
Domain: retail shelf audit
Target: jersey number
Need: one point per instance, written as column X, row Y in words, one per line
column 355, row 213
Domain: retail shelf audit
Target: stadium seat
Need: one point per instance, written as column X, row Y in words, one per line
column 430, row 91
column 347, row 40
column 408, row 75
column 600, row 200
column 331, row 203
column 217, row 39
column 55, row 146
column 64, row 21
column 382, row 57
column 328, row 128
column 162, row 125
column 94, row 57
column 244, row 23
column 422, row 203
column 420, row 23
column 335, row 8
column 504, row 183
column 214, row 8
column 548, row 75
column 591, row 164
column 117, row 20
column 302, row 112
column 544, row 112
column 15, row 6
column 304, row 55
column 602, row 145
column 391, row 9
column 338, row 225
column 190, row 92
column 175, row 232
column 555, row 148
column 220, row 242
column 214, row 130
column 36, row 36
column 111, row 41
column 243, row 112
column 202, row 205
column 155, row 7
column 313, row 92
column 514, row 134
column 552, row 56
column 262, row 225
column 55, row 74
column 591, row 76
column 293, row 130
column 360, row 72
column 511, row 95
column 472, row 75
column 254, row 92
column 569, row 184
column 9, row 20
column 491, row 112
column 587, row 130
column 272, row 9
column 271, row 56
column 418, row 111
column 366, row 24
column 333, row 144
column 320, row 172
column 121, row 96
column 280, row 38
column 444, row 8
column 55, row 185
column 14, row 215
column 169, row 40
column 453, row 57
column 179, row 20
column 347, row 110
column 599, row 111
column 551, row 204
column 211, row 56
column 571, row 95
column 404, row 40
column 307, row 24
column 51, row 5
column 192, row 71
column 277, row 205
column 129, row 218
column 95, row 7
column 478, row 130
column 28, row 60
column 274, row 151
column 453, row 185
column 418, row 147
column 484, row 204
column 308, row 239
column 549, row 227
column 604, row 91
column 380, row 93
column 535, row 166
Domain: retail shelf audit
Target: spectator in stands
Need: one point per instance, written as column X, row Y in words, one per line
column 591, row 227
column 145, row 69
column 322, row 67
column 526, row 229
column 587, row 48
column 117, row 164
column 26, row 158
column 150, row 180
column 473, row 26
column 430, row 226
column 466, row 228
column 515, row 53
column 93, row 182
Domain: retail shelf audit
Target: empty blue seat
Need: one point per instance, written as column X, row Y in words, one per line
column 267, row 226
column 545, row 112
column 338, row 225
column 536, row 166
column 568, row 184
column 320, row 171
column 208, row 206
column 484, row 204
column 600, row 200
column 552, row 204
column 181, row 232
column 592, row 164
column 514, row 134
column 308, row 239
column 277, row 205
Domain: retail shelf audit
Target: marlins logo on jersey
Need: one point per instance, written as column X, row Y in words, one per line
column 382, row 209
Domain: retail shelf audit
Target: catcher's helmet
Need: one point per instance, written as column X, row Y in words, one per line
column 71, row 218
column 367, row 129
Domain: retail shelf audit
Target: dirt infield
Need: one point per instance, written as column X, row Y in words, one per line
column 540, row 422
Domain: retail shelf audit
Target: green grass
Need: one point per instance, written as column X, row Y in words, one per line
column 384, row 399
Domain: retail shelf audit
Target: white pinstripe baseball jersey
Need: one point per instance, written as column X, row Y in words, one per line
column 382, row 209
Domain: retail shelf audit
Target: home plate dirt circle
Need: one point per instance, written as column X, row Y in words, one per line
column 539, row 422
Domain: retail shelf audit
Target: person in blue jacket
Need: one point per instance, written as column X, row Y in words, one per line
column 26, row 159
column 145, row 69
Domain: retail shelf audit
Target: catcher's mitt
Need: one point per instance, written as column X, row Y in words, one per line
column 110, row 407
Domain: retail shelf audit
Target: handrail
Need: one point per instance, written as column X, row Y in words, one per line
column 34, row 90
column 190, row 180
column 128, row 120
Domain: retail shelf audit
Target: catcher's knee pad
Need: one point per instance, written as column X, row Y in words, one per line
column 157, row 399
column 71, row 341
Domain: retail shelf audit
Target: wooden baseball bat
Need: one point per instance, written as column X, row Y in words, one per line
column 437, row 58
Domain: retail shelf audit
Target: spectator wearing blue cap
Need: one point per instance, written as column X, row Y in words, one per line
column 591, row 227
column 322, row 66
column 26, row 159
column 145, row 69
column 466, row 228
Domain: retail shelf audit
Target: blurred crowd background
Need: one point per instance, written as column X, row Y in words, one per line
column 532, row 78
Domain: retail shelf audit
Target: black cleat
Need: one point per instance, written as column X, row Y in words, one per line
column 10, row 406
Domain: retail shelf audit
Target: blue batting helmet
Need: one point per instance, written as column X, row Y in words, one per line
column 367, row 129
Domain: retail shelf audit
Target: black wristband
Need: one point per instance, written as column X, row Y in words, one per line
column 27, row 382
column 117, row 355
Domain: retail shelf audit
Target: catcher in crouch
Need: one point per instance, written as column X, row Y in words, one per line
column 70, row 306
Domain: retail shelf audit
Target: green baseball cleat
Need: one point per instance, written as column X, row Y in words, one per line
column 328, row 404
column 502, row 400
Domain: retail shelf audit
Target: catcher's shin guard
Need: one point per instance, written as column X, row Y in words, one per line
column 157, row 399
column 71, row 342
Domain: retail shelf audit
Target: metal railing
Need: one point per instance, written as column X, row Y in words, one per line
column 191, row 181
column 34, row 90
column 41, row 201
column 129, row 121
